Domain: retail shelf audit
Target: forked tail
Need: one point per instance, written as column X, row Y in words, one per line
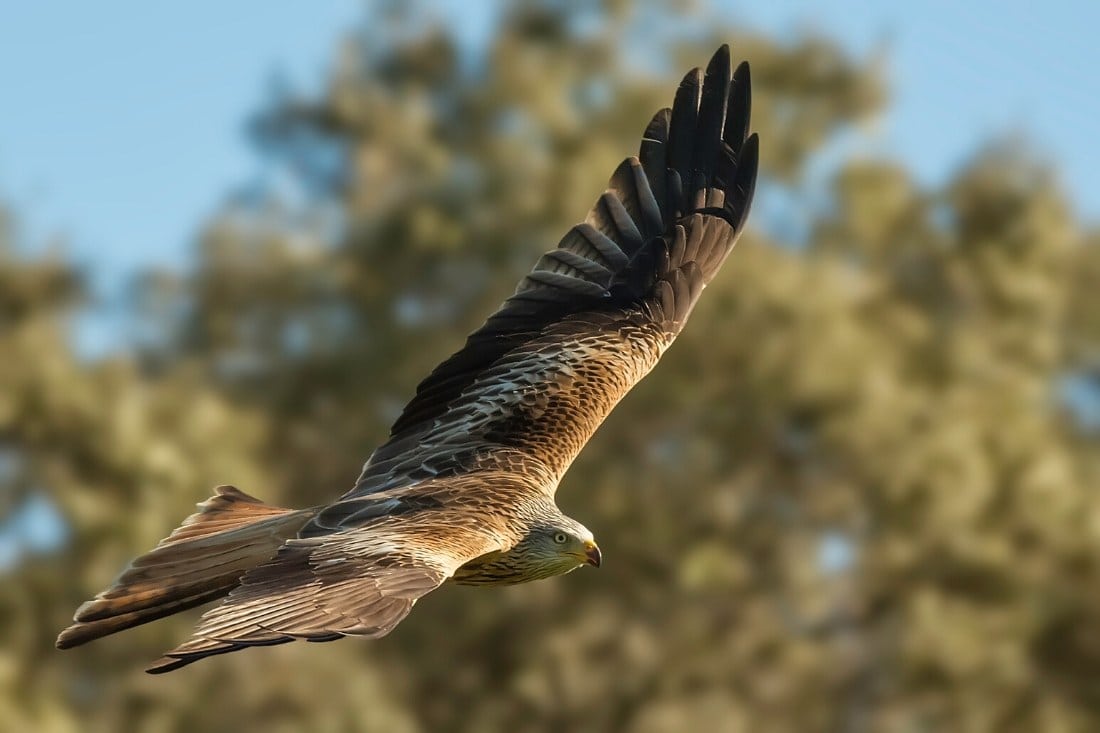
column 203, row 559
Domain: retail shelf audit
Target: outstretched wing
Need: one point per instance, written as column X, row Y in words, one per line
column 535, row 381
column 360, row 582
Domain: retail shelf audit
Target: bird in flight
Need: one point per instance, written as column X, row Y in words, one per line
column 463, row 489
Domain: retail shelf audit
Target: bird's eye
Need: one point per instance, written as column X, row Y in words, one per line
column 560, row 538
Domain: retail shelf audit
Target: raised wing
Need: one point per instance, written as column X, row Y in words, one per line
column 535, row 381
column 361, row 582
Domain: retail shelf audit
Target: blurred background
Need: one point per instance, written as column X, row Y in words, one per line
column 859, row 494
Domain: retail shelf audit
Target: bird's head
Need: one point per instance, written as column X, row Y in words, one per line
column 560, row 547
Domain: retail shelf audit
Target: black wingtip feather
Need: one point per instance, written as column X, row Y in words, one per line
column 712, row 112
column 657, row 129
column 739, row 109
column 743, row 187
column 682, row 127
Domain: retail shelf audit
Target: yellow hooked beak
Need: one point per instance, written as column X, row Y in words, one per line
column 592, row 554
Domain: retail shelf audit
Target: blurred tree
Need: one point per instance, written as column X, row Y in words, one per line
column 851, row 498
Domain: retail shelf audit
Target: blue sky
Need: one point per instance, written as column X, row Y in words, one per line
column 91, row 94
column 963, row 71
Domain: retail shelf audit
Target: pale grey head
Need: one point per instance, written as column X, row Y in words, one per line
column 551, row 546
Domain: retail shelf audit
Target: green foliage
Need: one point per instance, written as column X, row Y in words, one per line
column 848, row 498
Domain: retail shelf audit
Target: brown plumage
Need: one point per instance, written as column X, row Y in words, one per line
column 464, row 487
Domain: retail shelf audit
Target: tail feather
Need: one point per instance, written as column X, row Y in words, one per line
column 203, row 559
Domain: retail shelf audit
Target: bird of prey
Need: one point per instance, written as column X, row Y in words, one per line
column 463, row 489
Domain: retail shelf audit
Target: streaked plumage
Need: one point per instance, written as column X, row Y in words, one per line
column 464, row 487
